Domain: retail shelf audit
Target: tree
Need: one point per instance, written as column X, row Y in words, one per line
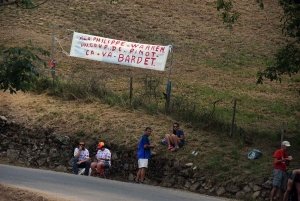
column 287, row 59
column 17, row 64
column 17, row 69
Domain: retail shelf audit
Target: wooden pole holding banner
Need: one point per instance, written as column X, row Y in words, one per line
column 52, row 54
column 130, row 93
column 282, row 133
column 169, row 84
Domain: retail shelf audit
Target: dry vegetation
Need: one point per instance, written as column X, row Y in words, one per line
column 210, row 63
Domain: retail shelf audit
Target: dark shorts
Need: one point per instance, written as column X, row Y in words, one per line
column 180, row 144
column 106, row 165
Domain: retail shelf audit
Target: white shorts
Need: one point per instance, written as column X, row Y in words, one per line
column 143, row 163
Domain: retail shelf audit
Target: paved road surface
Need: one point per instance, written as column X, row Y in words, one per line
column 84, row 188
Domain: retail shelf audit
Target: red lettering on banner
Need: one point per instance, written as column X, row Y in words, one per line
column 131, row 50
column 132, row 59
column 84, row 38
column 109, row 54
column 121, row 57
column 104, row 53
column 118, row 42
column 153, row 54
column 134, row 45
column 120, row 49
column 153, row 47
column 147, row 54
column 100, row 45
column 105, row 46
column 162, row 49
column 113, row 48
column 142, row 46
column 92, row 52
column 157, row 48
column 87, row 53
column 127, row 59
column 84, row 45
column 153, row 59
column 123, row 43
column 139, row 60
column 113, row 42
column 146, row 61
column 148, row 47
column 141, row 52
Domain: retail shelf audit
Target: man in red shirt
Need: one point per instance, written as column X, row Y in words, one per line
column 281, row 161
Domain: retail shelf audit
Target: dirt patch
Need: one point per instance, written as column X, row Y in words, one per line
column 17, row 193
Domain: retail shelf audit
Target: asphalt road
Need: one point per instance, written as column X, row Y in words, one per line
column 75, row 187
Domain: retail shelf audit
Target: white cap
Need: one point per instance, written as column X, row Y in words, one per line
column 286, row 143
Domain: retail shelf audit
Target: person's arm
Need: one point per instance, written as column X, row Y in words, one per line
column 107, row 157
column 277, row 161
column 87, row 157
column 147, row 144
column 181, row 135
column 77, row 152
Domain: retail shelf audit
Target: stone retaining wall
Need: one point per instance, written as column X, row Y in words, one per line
column 43, row 148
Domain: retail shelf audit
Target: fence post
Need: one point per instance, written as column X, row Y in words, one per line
column 233, row 117
column 130, row 89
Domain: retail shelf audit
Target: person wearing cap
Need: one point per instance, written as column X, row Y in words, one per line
column 81, row 159
column 143, row 155
column 281, row 161
column 103, row 157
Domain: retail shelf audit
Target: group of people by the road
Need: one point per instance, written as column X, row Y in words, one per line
column 283, row 182
column 174, row 141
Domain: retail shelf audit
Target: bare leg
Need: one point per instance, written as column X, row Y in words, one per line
column 298, row 189
column 138, row 175
column 93, row 167
column 143, row 172
column 281, row 192
column 168, row 139
column 175, row 140
column 100, row 166
column 274, row 189
column 288, row 190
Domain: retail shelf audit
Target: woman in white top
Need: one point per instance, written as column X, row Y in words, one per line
column 103, row 157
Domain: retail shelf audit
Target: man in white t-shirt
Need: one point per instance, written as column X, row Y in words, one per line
column 81, row 159
column 103, row 157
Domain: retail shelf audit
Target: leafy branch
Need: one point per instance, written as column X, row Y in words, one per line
column 17, row 69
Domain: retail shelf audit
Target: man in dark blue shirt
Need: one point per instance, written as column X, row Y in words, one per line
column 143, row 155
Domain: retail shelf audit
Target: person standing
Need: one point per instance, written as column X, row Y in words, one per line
column 81, row 159
column 281, row 161
column 103, row 157
column 144, row 154
column 176, row 139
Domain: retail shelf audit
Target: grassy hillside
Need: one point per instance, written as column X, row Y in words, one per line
column 211, row 63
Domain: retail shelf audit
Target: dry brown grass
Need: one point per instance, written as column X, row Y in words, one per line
column 207, row 56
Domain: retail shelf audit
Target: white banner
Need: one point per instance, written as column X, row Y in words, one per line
column 119, row 52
